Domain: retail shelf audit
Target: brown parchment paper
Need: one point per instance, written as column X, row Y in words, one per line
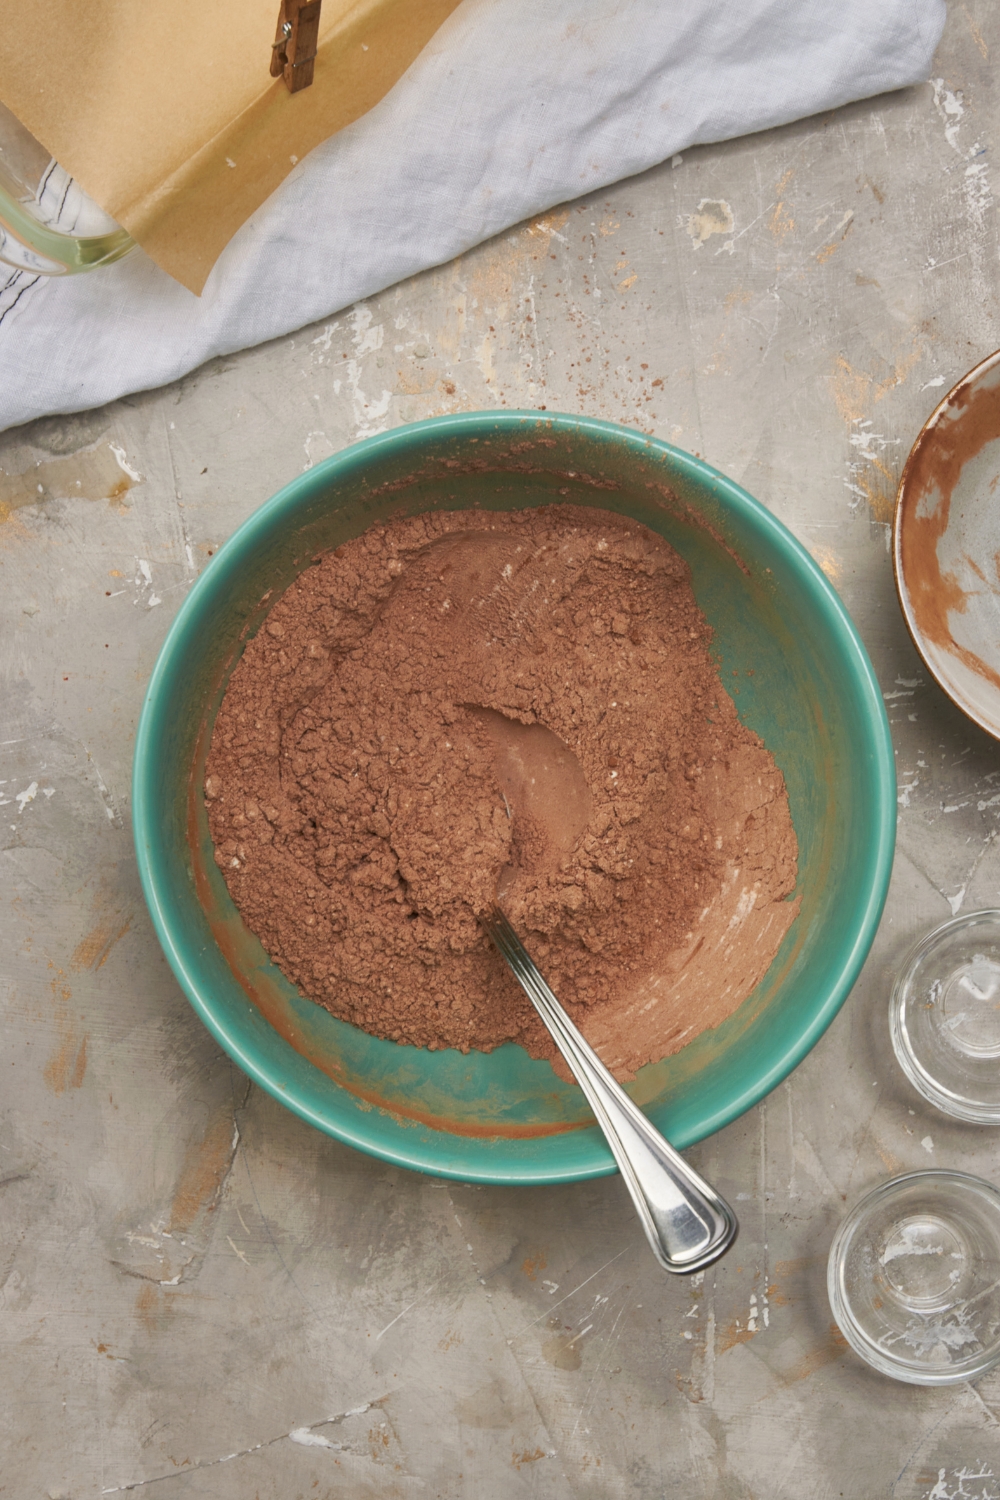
column 166, row 113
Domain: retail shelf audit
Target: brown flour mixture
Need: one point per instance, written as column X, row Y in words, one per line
column 459, row 700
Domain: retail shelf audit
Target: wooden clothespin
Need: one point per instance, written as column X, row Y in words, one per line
column 294, row 50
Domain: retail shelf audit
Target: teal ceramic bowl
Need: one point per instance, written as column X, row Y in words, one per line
column 504, row 1117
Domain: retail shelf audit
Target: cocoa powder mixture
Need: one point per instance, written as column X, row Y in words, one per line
column 460, row 702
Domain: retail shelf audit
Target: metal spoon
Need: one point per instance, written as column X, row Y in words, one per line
column 687, row 1224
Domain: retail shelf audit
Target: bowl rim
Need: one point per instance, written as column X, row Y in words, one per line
column 778, row 537
column 924, row 436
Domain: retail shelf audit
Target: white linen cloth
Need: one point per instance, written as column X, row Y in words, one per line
column 514, row 106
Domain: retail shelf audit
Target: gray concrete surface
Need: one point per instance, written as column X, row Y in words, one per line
column 334, row 1326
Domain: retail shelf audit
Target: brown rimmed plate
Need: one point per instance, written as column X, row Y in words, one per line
column 946, row 544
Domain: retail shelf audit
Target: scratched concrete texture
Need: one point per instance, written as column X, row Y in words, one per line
column 203, row 1296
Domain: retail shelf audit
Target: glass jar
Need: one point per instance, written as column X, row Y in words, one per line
column 48, row 225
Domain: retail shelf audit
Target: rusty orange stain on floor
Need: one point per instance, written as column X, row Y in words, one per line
column 517, row 1459
column 80, row 1066
column 92, row 951
column 781, row 222
column 881, row 502
column 824, row 253
column 855, row 392
column 977, row 37
column 891, row 1162
column 13, row 528
column 789, row 1270
column 883, row 469
column 533, row 1264
column 206, row 1165
column 493, row 282
column 734, row 1334
column 147, row 1306
column 832, row 1348
column 68, row 1063
column 414, row 381
column 801, row 1263
column 550, row 223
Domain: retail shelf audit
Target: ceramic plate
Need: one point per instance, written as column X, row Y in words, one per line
column 946, row 544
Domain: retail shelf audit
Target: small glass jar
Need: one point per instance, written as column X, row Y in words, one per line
column 914, row 1278
column 944, row 1017
column 48, row 225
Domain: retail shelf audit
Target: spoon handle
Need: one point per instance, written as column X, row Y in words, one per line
column 686, row 1222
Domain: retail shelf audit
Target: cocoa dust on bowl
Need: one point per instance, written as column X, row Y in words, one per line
column 456, row 703
column 541, row 654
